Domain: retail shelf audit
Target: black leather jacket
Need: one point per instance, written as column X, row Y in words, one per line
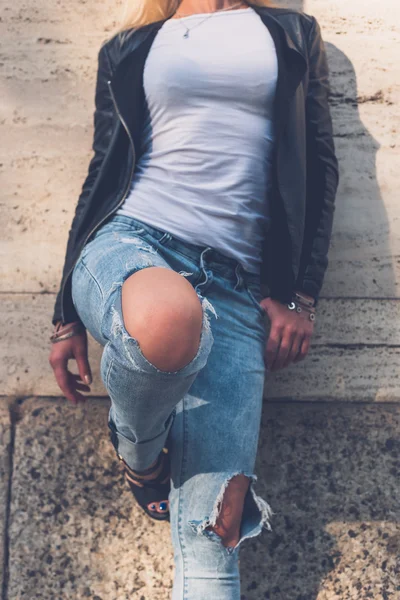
column 305, row 166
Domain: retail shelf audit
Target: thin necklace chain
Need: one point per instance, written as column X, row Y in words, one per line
column 188, row 29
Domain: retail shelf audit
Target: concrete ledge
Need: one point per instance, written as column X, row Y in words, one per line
column 355, row 354
column 330, row 473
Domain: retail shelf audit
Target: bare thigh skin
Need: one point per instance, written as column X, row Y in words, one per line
column 162, row 311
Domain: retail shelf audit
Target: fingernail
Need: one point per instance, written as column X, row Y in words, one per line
column 88, row 379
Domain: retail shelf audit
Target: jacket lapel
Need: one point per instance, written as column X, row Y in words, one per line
column 292, row 64
column 127, row 81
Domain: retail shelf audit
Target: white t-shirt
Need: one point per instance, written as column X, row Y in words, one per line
column 204, row 162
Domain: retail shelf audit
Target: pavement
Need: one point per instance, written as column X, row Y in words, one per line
column 71, row 530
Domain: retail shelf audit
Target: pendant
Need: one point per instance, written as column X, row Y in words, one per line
column 186, row 35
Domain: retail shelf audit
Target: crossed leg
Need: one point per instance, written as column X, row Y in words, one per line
column 162, row 311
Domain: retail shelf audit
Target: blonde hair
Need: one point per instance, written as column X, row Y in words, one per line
column 142, row 12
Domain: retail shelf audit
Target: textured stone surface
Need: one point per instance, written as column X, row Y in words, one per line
column 5, row 448
column 330, row 473
column 25, row 328
column 75, row 531
column 355, row 353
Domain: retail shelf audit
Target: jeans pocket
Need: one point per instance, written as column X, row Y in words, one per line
column 255, row 295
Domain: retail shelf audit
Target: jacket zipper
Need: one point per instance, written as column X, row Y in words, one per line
column 120, row 202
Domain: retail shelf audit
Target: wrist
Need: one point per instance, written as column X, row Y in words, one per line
column 303, row 303
column 301, row 297
column 63, row 331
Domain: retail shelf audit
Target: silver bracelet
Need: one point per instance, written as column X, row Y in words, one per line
column 63, row 337
column 70, row 329
column 295, row 306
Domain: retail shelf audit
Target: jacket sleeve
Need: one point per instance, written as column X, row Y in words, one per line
column 103, row 124
column 322, row 170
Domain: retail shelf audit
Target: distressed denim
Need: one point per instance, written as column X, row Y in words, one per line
column 208, row 412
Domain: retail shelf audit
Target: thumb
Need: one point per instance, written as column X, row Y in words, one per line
column 83, row 367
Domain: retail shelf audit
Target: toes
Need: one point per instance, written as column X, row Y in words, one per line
column 163, row 507
column 159, row 507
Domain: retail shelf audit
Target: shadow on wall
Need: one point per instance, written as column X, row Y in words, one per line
column 360, row 258
column 361, row 255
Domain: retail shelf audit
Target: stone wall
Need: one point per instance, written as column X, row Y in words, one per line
column 48, row 60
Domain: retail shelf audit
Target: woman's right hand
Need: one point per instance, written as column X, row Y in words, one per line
column 72, row 385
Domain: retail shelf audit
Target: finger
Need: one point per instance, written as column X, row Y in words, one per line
column 305, row 346
column 77, row 383
column 77, row 378
column 76, row 392
column 299, row 356
column 81, row 387
column 272, row 347
column 82, row 361
column 65, row 382
column 281, row 356
column 295, row 349
column 284, row 350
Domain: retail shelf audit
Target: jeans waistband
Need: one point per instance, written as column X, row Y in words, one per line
column 204, row 255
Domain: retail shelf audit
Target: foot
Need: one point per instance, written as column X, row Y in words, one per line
column 139, row 478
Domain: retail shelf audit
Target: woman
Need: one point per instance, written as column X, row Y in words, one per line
column 203, row 224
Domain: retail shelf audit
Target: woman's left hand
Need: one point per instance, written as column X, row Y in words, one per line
column 290, row 334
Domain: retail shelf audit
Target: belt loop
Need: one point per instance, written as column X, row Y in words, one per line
column 165, row 238
column 239, row 278
column 207, row 274
column 202, row 265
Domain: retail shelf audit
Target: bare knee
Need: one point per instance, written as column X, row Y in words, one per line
column 231, row 510
column 163, row 312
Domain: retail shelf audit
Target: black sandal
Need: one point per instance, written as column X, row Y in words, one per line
column 153, row 490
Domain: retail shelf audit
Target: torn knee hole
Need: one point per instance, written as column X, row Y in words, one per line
column 230, row 510
column 238, row 513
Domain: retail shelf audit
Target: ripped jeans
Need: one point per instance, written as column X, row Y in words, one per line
column 208, row 412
